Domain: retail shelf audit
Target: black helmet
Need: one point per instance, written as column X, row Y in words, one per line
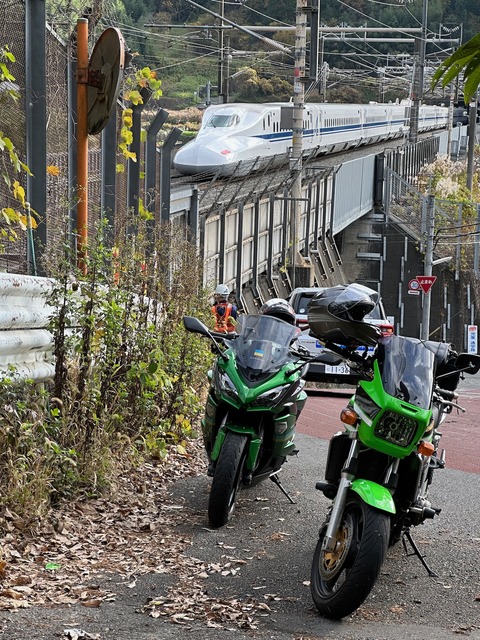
column 336, row 315
column 278, row 308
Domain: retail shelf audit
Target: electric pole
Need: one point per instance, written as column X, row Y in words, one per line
column 428, row 264
column 221, row 60
column 297, row 132
column 472, row 131
column 418, row 79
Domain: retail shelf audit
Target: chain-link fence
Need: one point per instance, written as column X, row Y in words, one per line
column 60, row 139
column 456, row 237
column 13, row 125
column 456, row 228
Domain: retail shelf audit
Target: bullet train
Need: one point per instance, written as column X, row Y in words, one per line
column 239, row 138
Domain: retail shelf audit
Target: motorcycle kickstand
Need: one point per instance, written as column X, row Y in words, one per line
column 276, row 480
column 416, row 552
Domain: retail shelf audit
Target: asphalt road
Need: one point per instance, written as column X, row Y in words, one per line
column 270, row 544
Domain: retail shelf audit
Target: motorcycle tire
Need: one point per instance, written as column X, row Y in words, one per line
column 226, row 479
column 342, row 579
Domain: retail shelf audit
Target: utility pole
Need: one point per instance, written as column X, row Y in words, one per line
column 322, row 69
column 428, row 265
column 221, row 60
column 297, row 133
column 450, row 120
column 472, row 131
column 417, row 89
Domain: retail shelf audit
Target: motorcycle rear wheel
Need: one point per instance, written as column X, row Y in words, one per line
column 226, row 479
column 342, row 579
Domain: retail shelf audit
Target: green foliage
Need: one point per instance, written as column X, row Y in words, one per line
column 250, row 86
column 34, row 465
column 129, row 379
column 176, row 50
column 12, row 217
column 456, row 207
column 142, row 79
column 466, row 59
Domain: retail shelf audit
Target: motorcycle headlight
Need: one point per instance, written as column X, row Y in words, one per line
column 395, row 428
column 225, row 385
column 270, row 398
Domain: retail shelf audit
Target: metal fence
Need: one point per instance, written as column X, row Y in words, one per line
column 456, row 241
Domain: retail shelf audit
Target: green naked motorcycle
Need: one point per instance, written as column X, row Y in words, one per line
column 379, row 469
column 256, row 395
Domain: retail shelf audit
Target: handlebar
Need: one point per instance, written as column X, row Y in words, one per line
column 446, row 394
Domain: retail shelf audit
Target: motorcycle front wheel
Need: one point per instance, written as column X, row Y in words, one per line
column 342, row 579
column 226, row 479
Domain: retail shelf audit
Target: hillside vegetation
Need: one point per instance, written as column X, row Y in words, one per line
column 356, row 72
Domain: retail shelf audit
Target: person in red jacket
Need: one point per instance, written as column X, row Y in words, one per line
column 225, row 313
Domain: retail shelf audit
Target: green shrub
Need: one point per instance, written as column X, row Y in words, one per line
column 129, row 380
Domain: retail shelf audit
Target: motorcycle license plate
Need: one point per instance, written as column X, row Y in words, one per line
column 341, row 369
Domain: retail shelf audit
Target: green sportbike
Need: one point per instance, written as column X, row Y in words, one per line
column 380, row 467
column 256, row 395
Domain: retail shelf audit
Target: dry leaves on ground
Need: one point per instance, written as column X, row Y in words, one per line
column 131, row 532
column 135, row 531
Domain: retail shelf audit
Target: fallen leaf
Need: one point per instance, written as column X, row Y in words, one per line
column 92, row 603
column 11, row 593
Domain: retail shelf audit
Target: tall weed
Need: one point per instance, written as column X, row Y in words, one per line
column 129, row 379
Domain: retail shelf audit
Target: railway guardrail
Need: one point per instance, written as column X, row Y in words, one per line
column 26, row 344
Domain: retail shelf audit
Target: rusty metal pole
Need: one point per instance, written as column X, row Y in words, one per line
column 82, row 143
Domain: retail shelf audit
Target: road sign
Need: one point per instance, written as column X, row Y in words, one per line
column 414, row 287
column 426, row 282
column 472, row 338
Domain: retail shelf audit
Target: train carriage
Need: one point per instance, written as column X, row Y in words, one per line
column 237, row 138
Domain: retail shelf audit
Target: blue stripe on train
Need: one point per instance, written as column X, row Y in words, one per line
column 308, row 133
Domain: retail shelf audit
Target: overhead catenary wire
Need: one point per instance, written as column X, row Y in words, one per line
column 181, row 43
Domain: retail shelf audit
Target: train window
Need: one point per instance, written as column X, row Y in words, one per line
column 223, row 121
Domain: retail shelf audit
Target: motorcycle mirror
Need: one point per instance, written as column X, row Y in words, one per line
column 195, row 325
column 468, row 362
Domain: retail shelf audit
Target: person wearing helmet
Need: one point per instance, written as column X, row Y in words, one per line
column 281, row 309
column 336, row 315
column 224, row 312
column 278, row 308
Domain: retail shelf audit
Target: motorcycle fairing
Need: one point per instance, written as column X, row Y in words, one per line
column 374, row 494
column 262, row 347
column 394, row 407
column 243, row 393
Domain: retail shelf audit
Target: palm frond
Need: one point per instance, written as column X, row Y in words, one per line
column 466, row 59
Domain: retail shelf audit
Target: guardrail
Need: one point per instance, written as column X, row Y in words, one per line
column 26, row 345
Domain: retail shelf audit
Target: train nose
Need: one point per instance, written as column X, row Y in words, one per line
column 198, row 159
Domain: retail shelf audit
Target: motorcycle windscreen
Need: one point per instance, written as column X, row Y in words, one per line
column 263, row 343
column 408, row 370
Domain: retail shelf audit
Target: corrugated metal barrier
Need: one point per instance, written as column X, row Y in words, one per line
column 26, row 345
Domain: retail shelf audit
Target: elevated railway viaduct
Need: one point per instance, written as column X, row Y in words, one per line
column 361, row 220
column 364, row 219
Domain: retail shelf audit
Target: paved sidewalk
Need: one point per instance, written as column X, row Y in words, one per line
column 269, row 545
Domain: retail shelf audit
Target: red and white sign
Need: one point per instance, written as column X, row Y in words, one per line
column 414, row 287
column 426, row 282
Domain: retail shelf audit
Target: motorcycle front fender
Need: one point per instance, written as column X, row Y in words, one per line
column 253, row 447
column 374, row 494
